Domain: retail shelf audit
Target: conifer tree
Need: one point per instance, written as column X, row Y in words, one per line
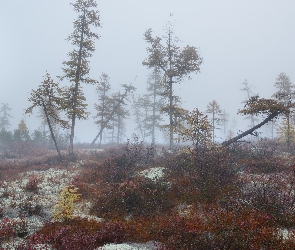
column 286, row 132
column 224, row 118
column 285, row 96
column 22, row 133
column 155, row 90
column 115, row 103
column 141, row 106
column 120, row 115
column 249, row 93
column 197, row 129
column 4, row 118
column 103, row 108
column 260, row 106
column 147, row 107
column 214, row 109
column 48, row 96
column 76, row 69
column 175, row 64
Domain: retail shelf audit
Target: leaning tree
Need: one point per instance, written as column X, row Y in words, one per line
column 48, row 96
column 270, row 108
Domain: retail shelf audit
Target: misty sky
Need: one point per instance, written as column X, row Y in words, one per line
column 238, row 40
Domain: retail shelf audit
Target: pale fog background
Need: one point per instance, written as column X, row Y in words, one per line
column 238, row 40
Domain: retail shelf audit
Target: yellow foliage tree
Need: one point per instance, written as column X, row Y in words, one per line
column 64, row 209
column 197, row 129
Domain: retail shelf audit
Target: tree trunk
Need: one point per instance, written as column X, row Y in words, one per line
column 170, row 90
column 213, row 123
column 154, row 111
column 51, row 132
column 288, row 131
column 249, row 131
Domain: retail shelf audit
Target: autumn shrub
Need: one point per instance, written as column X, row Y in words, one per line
column 32, row 185
column 190, row 177
column 272, row 194
column 245, row 228
column 135, row 197
column 206, row 173
column 77, row 234
column 263, row 161
column 261, row 157
column 29, row 208
column 11, row 228
column 213, row 228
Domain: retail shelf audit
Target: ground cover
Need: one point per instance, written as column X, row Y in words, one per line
column 147, row 197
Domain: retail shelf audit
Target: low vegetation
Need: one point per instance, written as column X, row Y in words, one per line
column 240, row 197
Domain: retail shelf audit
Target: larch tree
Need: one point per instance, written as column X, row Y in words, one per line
column 103, row 107
column 286, row 132
column 48, row 96
column 248, row 89
column 224, row 118
column 4, row 118
column 116, row 102
column 260, row 106
column 197, row 129
column 22, row 133
column 147, row 107
column 120, row 115
column 178, row 118
column 41, row 115
column 141, row 107
column 285, row 96
column 155, row 89
column 76, row 69
column 175, row 64
column 213, row 108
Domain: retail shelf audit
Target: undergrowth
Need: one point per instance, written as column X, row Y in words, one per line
column 240, row 197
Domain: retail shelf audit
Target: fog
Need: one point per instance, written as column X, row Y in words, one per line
column 238, row 40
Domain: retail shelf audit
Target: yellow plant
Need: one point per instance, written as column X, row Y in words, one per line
column 64, row 209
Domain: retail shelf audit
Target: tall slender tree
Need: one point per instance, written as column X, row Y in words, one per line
column 119, row 116
column 76, row 69
column 141, row 108
column 175, row 64
column 155, row 89
column 248, row 89
column 224, row 118
column 103, row 108
column 4, row 118
column 214, row 109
